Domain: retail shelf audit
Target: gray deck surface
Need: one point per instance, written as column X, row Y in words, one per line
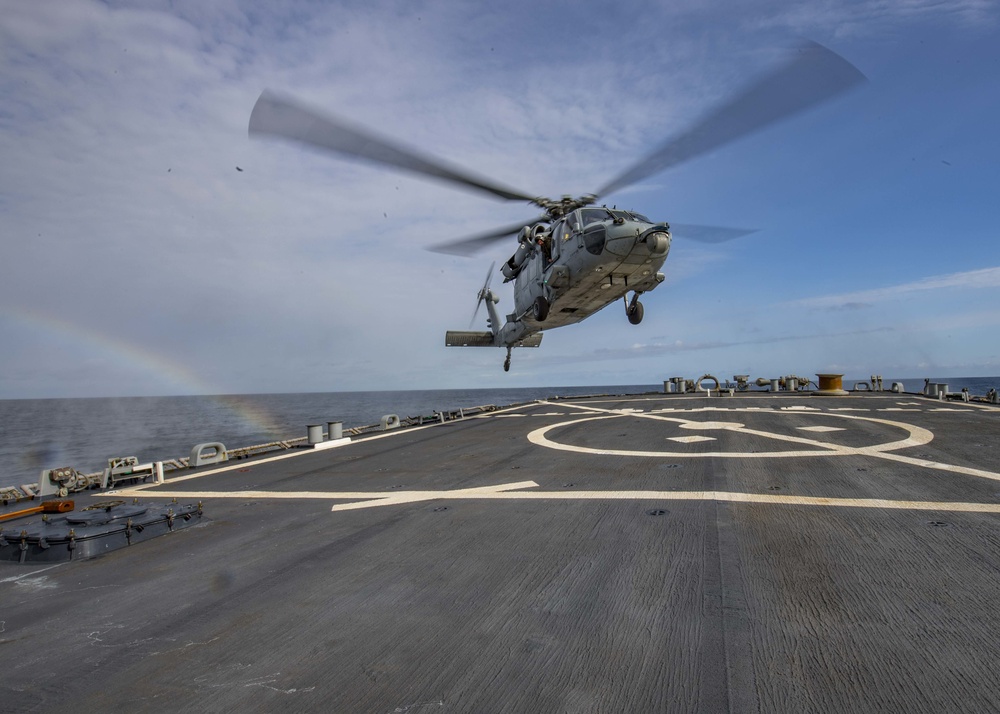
column 766, row 567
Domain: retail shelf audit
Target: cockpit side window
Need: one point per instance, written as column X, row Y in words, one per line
column 572, row 224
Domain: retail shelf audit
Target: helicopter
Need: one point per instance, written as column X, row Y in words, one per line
column 577, row 257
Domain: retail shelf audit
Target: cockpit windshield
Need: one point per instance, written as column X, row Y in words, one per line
column 594, row 215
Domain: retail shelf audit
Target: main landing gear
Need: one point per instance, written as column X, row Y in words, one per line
column 633, row 309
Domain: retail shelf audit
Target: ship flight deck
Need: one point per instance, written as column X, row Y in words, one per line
column 759, row 552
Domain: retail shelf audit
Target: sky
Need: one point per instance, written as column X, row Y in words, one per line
column 137, row 259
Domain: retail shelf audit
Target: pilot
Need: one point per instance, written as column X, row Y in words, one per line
column 543, row 244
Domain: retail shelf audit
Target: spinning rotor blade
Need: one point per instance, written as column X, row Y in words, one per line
column 813, row 75
column 708, row 234
column 468, row 246
column 289, row 120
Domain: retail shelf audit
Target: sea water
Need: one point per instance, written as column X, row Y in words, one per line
column 38, row 434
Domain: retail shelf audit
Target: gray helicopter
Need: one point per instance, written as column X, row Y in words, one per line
column 577, row 258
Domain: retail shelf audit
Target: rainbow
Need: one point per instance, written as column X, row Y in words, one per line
column 168, row 375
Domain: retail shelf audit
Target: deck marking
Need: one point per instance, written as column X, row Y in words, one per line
column 819, row 429
column 514, row 492
column 134, row 490
column 713, row 425
column 691, row 439
column 917, row 436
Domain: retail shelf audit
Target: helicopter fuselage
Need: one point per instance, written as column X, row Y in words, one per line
column 578, row 265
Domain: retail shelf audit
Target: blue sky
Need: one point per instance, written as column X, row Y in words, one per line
column 138, row 260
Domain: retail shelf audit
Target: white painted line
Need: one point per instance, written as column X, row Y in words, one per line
column 819, row 429
column 511, row 492
column 135, row 490
column 691, row 439
column 331, row 444
column 713, row 425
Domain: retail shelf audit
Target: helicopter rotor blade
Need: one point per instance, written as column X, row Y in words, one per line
column 276, row 116
column 489, row 277
column 813, row 75
column 708, row 234
column 468, row 246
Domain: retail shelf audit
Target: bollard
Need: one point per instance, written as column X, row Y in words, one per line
column 700, row 387
column 334, row 430
column 315, row 433
column 791, row 384
column 158, row 470
column 668, row 387
column 216, row 454
column 831, row 385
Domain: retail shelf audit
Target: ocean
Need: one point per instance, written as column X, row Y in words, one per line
column 38, row 434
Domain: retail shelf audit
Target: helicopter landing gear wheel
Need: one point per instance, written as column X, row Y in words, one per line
column 633, row 309
column 540, row 309
column 635, row 313
column 506, row 362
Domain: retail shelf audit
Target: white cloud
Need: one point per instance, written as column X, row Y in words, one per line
column 983, row 278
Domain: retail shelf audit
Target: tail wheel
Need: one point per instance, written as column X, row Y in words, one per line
column 541, row 308
column 506, row 365
column 634, row 313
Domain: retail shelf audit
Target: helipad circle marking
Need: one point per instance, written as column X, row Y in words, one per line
column 917, row 436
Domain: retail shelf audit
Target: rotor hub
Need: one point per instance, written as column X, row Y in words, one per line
column 566, row 204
